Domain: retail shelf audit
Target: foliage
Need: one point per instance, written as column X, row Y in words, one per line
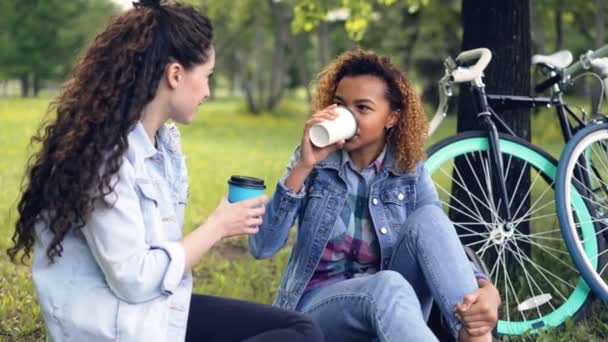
column 310, row 13
column 39, row 38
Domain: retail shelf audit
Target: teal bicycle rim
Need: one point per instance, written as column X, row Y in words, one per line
column 578, row 297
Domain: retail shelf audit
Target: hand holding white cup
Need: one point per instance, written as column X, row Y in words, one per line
column 328, row 132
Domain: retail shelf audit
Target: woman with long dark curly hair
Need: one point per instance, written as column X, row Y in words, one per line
column 104, row 201
column 374, row 248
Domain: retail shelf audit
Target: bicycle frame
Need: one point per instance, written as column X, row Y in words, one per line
column 488, row 118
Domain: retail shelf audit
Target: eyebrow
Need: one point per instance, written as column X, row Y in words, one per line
column 357, row 101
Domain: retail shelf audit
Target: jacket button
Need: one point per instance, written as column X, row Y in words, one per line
column 400, row 196
column 383, row 230
column 375, row 201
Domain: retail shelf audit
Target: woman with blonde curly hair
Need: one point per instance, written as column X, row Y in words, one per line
column 373, row 248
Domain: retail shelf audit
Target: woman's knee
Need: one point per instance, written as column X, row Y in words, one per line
column 391, row 284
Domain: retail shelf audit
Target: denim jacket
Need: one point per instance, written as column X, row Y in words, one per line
column 121, row 277
column 394, row 195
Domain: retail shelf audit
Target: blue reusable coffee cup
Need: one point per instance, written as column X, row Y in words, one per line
column 242, row 187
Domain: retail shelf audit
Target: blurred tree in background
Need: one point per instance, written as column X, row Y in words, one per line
column 271, row 49
column 41, row 39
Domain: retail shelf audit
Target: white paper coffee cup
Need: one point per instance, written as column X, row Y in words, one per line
column 327, row 132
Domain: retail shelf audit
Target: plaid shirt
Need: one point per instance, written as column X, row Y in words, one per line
column 353, row 249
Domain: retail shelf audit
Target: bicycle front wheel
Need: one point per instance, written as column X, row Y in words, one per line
column 527, row 257
column 583, row 169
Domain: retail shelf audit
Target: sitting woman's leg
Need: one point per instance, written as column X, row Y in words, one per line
column 222, row 319
column 430, row 256
column 381, row 305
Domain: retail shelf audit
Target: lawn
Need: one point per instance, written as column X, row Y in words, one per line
column 222, row 141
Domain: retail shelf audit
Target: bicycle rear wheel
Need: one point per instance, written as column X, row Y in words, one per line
column 583, row 169
column 532, row 269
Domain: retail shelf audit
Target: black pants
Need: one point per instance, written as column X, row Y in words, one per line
column 214, row 319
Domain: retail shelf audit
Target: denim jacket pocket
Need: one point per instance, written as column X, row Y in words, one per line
column 148, row 190
column 398, row 202
column 152, row 210
column 400, row 195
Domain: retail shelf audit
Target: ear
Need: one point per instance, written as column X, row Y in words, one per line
column 392, row 119
column 174, row 73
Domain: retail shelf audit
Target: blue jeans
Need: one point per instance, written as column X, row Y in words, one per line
column 429, row 264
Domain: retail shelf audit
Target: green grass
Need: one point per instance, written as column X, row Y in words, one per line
column 221, row 142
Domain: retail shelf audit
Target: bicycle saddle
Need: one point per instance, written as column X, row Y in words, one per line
column 601, row 65
column 558, row 60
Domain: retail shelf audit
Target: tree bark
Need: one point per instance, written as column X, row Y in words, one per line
column 559, row 29
column 596, row 87
column 25, row 85
column 538, row 39
column 282, row 35
column 410, row 19
column 36, row 85
column 324, row 45
column 504, row 28
column 297, row 58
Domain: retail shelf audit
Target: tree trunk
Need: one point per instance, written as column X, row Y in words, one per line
column 508, row 37
column 410, row 19
column 596, row 86
column 297, row 58
column 282, row 35
column 25, row 85
column 538, row 38
column 260, row 69
column 324, row 45
column 36, row 85
column 559, row 29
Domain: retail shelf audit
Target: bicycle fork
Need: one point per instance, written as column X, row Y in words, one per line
column 495, row 155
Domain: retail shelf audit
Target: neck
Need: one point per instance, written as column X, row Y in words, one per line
column 153, row 117
column 366, row 155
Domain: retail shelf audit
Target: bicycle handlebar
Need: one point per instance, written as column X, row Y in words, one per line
column 467, row 74
column 584, row 62
column 459, row 74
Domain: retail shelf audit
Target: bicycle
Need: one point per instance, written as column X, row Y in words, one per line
column 524, row 249
column 583, row 169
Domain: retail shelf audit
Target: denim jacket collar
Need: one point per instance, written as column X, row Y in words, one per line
column 334, row 160
column 167, row 136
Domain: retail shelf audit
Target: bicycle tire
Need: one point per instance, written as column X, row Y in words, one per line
column 589, row 260
column 571, row 305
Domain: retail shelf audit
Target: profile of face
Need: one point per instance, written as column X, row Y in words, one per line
column 365, row 96
column 190, row 88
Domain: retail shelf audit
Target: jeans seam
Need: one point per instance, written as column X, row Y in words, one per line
column 357, row 296
column 453, row 324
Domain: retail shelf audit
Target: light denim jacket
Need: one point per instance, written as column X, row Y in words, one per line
column 393, row 196
column 121, row 277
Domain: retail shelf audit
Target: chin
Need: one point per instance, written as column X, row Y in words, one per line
column 184, row 120
column 350, row 146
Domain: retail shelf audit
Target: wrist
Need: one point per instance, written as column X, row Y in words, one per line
column 214, row 231
column 303, row 166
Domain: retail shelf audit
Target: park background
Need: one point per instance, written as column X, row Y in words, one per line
column 268, row 53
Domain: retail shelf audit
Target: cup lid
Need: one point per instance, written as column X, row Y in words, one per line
column 250, row 182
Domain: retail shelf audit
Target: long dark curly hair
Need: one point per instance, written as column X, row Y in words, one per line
column 408, row 136
column 85, row 138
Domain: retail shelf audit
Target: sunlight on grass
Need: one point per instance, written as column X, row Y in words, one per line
column 222, row 141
